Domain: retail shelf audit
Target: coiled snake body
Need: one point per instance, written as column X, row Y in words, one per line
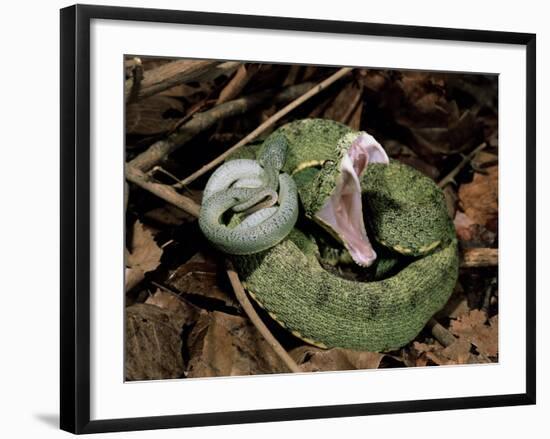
column 347, row 185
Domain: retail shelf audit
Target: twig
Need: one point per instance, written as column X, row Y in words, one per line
column 269, row 122
column 257, row 322
column 441, row 334
column 167, row 193
column 175, row 73
column 137, row 77
column 160, row 169
column 202, row 121
column 479, row 257
column 238, row 83
column 451, row 175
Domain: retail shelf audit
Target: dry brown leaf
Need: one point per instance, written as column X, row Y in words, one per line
column 472, row 327
column 153, row 344
column 221, row 344
column 456, row 306
column 144, row 254
column 200, row 275
column 343, row 105
column 405, row 356
column 312, row 359
column 181, row 311
column 479, row 199
column 292, row 75
column 449, row 137
column 417, row 84
column 422, row 95
column 373, row 80
column 419, row 102
column 465, row 227
column 149, row 116
column 310, row 72
column 355, row 119
column 468, row 230
column 457, row 353
column 420, row 349
column 477, row 86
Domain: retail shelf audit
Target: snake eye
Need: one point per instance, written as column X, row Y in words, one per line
column 328, row 164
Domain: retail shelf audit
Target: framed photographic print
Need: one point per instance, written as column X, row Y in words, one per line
column 276, row 218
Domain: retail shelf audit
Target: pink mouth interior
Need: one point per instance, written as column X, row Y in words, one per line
column 343, row 212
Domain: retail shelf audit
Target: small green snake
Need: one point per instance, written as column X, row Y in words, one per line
column 250, row 186
column 349, row 188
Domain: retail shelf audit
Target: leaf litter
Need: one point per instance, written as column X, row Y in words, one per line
column 182, row 317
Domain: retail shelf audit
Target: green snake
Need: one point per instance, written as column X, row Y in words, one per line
column 349, row 191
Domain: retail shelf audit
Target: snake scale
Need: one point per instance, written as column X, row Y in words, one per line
column 358, row 206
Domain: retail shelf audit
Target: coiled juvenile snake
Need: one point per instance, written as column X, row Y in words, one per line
column 347, row 186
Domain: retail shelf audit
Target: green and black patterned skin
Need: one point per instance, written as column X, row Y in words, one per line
column 408, row 222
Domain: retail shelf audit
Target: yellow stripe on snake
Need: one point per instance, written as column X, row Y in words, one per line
column 356, row 205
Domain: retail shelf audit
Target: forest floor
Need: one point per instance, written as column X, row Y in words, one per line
column 183, row 317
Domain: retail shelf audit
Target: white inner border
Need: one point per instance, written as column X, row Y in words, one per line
column 112, row 398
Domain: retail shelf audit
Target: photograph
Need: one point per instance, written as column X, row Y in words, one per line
column 297, row 218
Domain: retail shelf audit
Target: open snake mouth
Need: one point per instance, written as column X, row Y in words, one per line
column 343, row 211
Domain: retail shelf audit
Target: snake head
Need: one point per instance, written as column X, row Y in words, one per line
column 333, row 199
column 273, row 155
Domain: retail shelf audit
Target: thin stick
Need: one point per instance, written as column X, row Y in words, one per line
column 440, row 333
column 451, row 175
column 160, row 169
column 242, row 77
column 167, row 193
column 257, row 322
column 479, row 257
column 200, row 122
column 175, row 73
column 269, row 122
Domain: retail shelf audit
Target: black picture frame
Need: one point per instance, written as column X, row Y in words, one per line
column 75, row 217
